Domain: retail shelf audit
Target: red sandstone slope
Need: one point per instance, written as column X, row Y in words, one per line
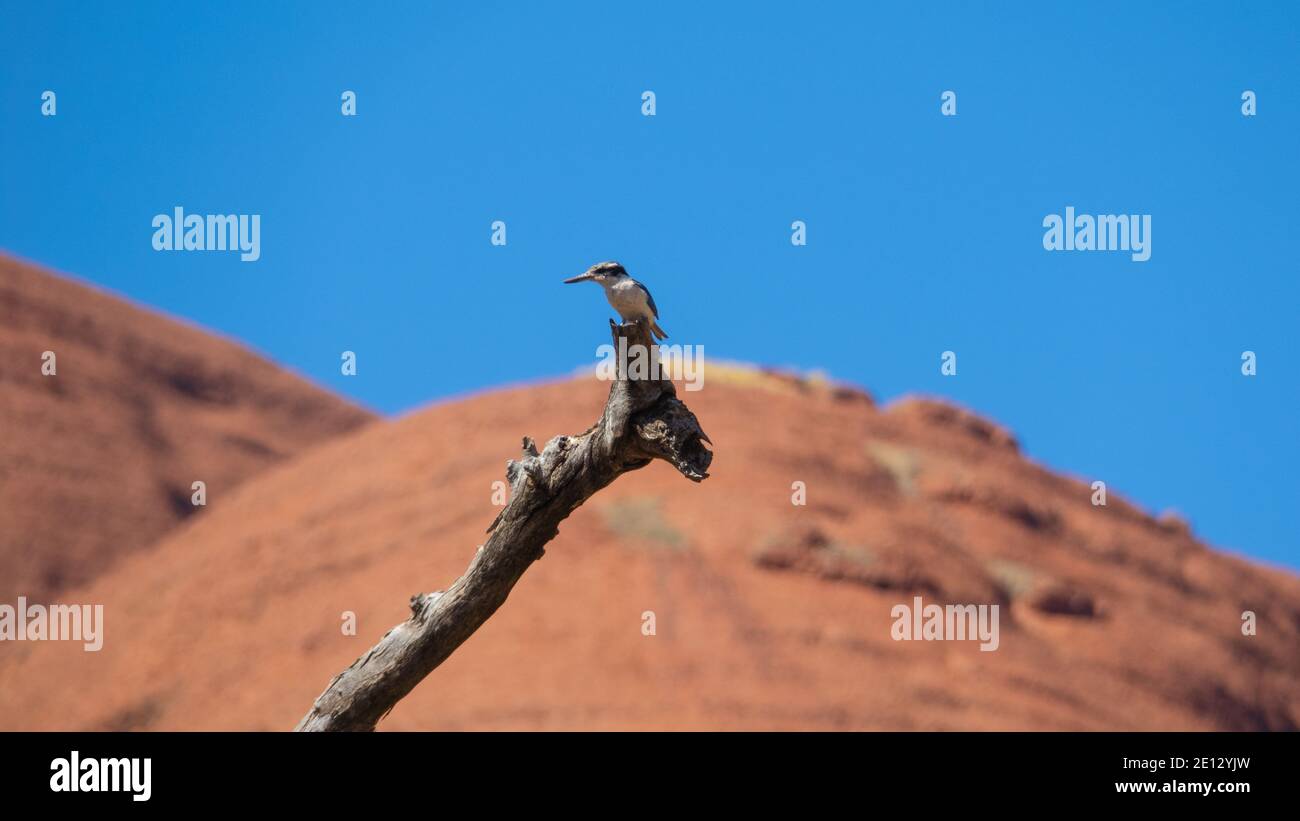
column 768, row 615
column 97, row 461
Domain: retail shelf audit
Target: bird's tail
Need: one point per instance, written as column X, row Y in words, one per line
column 659, row 333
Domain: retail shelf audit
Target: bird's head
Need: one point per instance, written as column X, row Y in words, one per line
column 602, row 272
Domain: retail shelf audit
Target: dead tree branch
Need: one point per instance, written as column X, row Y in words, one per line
column 643, row 421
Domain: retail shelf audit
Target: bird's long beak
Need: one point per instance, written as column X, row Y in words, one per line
column 579, row 278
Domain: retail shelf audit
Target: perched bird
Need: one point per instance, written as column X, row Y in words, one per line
column 630, row 298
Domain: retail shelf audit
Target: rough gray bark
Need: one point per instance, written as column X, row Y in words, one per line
column 643, row 421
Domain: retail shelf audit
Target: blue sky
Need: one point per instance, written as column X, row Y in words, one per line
column 924, row 231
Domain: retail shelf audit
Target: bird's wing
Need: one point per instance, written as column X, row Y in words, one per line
column 649, row 299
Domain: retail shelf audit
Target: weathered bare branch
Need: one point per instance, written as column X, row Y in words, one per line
column 643, row 420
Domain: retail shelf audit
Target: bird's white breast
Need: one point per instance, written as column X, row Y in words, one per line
column 629, row 300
